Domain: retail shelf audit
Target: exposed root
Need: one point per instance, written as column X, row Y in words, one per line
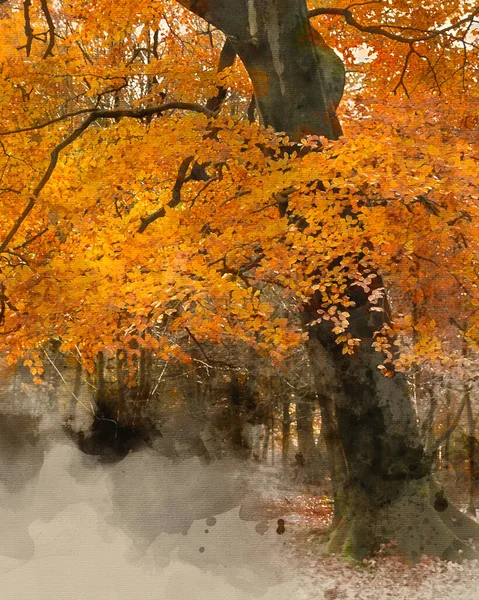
column 416, row 525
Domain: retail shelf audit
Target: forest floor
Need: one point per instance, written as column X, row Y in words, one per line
column 306, row 513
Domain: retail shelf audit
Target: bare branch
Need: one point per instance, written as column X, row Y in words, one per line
column 118, row 113
column 51, row 29
column 381, row 28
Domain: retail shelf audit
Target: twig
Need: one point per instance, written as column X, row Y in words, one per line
column 92, row 410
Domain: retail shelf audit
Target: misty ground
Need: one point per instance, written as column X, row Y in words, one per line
column 153, row 527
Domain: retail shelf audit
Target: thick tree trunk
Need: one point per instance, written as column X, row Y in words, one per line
column 386, row 486
column 383, row 488
column 298, row 80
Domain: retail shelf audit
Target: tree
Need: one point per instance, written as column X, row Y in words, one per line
column 151, row 199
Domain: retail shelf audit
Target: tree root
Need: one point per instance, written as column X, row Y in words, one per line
column 415, row 520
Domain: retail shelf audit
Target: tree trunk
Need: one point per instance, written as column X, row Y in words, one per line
column 76, row 390
column 286, row 430
column 298, row 80
column 120, row 379
column 383, row 488
column 235, row 414
column 267, row 435
column 387, row 490
column 428, row 436
column 100, row 381
column 471, row 452
column 306, row 444
column 446, row 457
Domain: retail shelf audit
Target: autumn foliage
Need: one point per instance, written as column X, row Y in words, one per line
column 110, row 240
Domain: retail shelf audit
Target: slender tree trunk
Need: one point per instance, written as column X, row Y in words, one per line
column 236, row 424
column 100, row 381
column 305, row 433
column 120, row 378
column 428, row 425
column 76, row 390
column 266, row 439
column 144, row 376
column 272, row 441
column 471, row 452
column 447, row 443
column 286, row 431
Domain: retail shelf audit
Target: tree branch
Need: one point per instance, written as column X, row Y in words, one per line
column 27, row 26
column 380, row 29
column 117, row 113
column 94, row 115
column 51, row 29
column 175, row 200
column 227, row 59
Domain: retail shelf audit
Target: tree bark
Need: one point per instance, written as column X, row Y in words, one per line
column 384, row 486
column 100, row 381
column 447, row 442
column 298, row 80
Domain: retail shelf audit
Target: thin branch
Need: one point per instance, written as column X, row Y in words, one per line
column 380, row 29
column 227, row 59
column 90, row 410
column 401, row 83
column 117, row 113
column 198, row 344
column 29, row 241
column 76, row 113
column 17, row 224
column 201, row 190
column 431, row 68
column 51, row 29
column 86, row 56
